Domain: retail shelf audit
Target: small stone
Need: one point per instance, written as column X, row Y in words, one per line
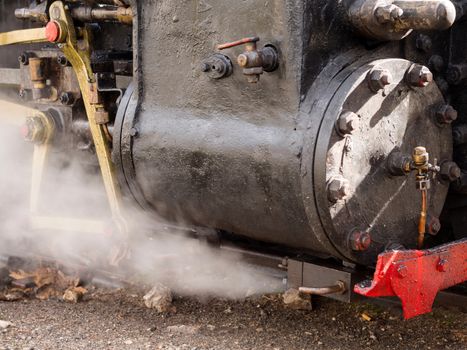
column 74, row 295
column 5, row 324
column 296, row 301
column 211, row 327
column 128, row 342
column 159, row 298
column 184, row 329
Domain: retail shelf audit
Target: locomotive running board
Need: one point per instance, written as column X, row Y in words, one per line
column 416, row 276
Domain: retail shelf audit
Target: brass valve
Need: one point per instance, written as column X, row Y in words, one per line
column 253, row 61
column 419, row 161
column 421, row 164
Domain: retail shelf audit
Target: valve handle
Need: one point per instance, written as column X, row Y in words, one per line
column 243, row 41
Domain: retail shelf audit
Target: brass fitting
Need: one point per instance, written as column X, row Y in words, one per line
column 253, row 61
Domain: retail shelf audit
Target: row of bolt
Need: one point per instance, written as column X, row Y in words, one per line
column 403, row 271
column 416, row 76
column 360, row 240
column 378, row 78
column 454, row 73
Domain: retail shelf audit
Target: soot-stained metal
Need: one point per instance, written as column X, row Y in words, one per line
column 299, row 138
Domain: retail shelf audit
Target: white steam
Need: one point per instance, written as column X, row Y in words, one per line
column 73, row 193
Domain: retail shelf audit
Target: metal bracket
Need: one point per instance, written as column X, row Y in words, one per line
column 62, row 31
column 416, row 276
column 79, row 57
column 319, row 279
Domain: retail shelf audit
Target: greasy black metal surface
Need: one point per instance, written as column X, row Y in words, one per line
column 252, row 159
column 248, row 161
column 236, row 156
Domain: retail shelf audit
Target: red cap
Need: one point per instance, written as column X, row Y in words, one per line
column 52, row 31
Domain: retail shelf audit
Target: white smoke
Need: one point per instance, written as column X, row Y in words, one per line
column 74, row 193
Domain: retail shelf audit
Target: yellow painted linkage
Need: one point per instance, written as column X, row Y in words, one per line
column 25, row 36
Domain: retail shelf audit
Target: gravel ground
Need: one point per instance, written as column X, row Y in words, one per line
column 119, row 320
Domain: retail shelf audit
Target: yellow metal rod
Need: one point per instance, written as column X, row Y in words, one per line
column 25, row 36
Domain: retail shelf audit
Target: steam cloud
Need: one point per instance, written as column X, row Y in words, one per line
column 187, row 266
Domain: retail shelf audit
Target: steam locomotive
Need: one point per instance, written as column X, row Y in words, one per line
column 327, row 137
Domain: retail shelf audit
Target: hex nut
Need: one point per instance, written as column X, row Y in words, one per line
column 455, row 74
column 379, row 78
column 347, row 123
column 359, row 240
column 419, row 76
column 450, row 171
column 436, row 62
column 387, row 14
column 433, row 226
column 34, row 130
column 67, row 98
column 446, row 114
column 338, row 189
column 423, row 43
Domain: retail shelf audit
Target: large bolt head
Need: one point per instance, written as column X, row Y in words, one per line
column 67, row 99
column 433, row 226
column 338, row 189
column 33, row 130
column 423, row 42
column 419, row 76
column 454, row 74
column 387, row 14
column 360, row 240
column 450, row 171
column 446, row 114
column 436, row 62
column 379, row 78
column 347, row 123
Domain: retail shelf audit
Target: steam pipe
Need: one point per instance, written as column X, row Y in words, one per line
column 338, row 288
column 425, row 15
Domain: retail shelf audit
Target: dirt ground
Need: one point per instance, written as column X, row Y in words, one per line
column 119, row 320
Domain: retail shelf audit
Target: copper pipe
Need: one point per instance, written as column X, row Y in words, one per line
column 107, row 132
column 422, row 222
column 338, row 288
column 238, row 42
